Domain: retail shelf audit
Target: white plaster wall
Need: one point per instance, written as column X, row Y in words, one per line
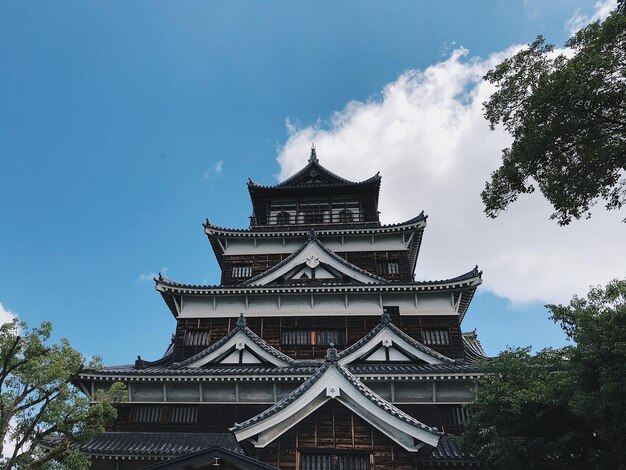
column 381, row 242
column 323, row 304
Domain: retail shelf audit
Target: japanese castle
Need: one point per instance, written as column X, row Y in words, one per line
column 318, row 350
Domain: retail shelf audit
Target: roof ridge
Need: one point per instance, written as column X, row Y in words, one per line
column 240, row 327
column 312, row 239
column 386, row 322
column 354, row 381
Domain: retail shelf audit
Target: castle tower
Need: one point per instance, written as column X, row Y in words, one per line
column 317, row 350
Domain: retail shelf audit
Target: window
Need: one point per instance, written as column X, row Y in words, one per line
column 393, row 267
column 313, row 216
column 391, row 310
column 345, row 215
column 314, row 337
column 454, row 415
column 349, row 461
column 241, row 271
column 388, row 267
column 146, row 414
column 283, row 218
column 196, row 338
column 185, row 414
column 436, row 337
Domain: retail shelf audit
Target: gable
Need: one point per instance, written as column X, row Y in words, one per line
column 387, row 343
column 313, row 261
column 334, row 382
column 240, row 346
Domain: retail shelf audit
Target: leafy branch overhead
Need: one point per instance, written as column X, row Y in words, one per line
column 567, row 116
column 39, row 404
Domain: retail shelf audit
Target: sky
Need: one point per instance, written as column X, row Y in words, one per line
column 124, row 125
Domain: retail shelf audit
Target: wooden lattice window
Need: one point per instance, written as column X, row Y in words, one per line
column 196, row 338
column 388, row 267
column 454, row 415
column 146, row 414
column 313, row 216
column 183, row 414
column 311, row 336
column 435, row 336
column 345, row 215
column 351, row 461
column 241, row 271
column 283, row 218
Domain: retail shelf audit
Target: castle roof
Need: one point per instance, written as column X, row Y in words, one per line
column 334, row 381
column 314, row 250
column 464, row 287
column 388, row 335
column 241, row 338
column 314, row 175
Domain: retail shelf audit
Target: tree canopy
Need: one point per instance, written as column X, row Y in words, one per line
column 567, row 116
column 39, row 403
column 561, row 408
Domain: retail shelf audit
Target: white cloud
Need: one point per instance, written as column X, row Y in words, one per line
column 579, row 20
column 427, row 136
column 216, row 170
column 150, row 276
column 6, row 315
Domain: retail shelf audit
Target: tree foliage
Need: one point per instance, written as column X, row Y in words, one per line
column 567, row 116
column 561, row 408
column 39, row 403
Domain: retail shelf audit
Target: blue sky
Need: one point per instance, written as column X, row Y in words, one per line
column 123, row 125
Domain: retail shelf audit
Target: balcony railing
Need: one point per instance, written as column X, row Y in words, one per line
column 313, row 218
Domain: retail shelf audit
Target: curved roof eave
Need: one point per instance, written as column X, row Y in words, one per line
column 385, row 408
column 313, row 165
column 466, row 283
column 416, row 222
column 470, row 279
column 313, row 239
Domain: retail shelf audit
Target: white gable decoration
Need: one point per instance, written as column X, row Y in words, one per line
column 334, row 382
column 314, row 261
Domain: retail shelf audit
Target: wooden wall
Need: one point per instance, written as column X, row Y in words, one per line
column 336, row 430
column 353, row 329
column 368, row 261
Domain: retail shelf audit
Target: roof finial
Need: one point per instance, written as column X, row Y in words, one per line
column 313, row 157
column 242, row 321
column 140, row 363
column 331, row 353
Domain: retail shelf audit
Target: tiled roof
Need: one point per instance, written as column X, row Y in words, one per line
column 473, row 349
column 355, row 382
column 300, row 369
column 313, row 239
column 222, row 371
column 386, row 323
column 155, row 444
column 285, row 402
column 463, row 280
column 314, row 166
column 208, row 458
column 301, row 231
column 448, row 452
column 241, row 327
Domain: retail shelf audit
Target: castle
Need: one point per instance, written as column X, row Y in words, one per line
column 318, row 350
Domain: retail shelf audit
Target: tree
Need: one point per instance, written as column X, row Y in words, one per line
column 597, row 366
column 561, row 408
column 39, row 403
column 567, row 116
